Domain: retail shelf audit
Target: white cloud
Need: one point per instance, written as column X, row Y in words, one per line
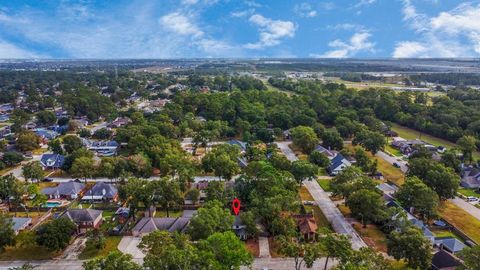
column 242, row 13
column 189, row 2
column 271, row 31
column 362, row 3
column 252, row 3
column 180, row 24
column 449, row 34
column 8, row 50
column 304, row 10
column 358, row 42
column 409, row 49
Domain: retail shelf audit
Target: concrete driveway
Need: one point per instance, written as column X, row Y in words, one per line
column 289, row 154
column 129, row 245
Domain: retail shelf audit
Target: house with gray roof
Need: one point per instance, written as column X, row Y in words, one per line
column 20, row 223
column 338, row 164
column 329, row 153
column 101, row 191
column 84, row 218
column 65, row 190
column 450, row 244
column 443, row 260
column 470, row 177
column 52, row 161
column 147, row 225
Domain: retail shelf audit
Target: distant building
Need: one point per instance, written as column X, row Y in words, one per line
column 102, row 148
column 52, row 161
column 240, row 228
column 307, row 226
column 329, row 153
column 407, row 147
column 119, row 122
column 240, row 144
column 470, row 177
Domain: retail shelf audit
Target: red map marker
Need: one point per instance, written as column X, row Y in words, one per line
column 236, row 206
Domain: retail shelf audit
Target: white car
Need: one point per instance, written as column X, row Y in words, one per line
column 472, row 199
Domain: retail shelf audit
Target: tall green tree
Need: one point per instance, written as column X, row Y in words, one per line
column 71, row 143
column 414, row 193
column 305, row 138
column 55, row 235
column 115, row 260
column 7, row 234
column 471, row 257
column 412, row 246
column 227, row 249
column 28, row 141
column 303, row 170
column 468, row 145
column 367, row 205
column 211, row 218
column 301, row 252
column 32, row 171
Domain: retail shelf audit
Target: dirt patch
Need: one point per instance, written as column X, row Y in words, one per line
column 252, row 247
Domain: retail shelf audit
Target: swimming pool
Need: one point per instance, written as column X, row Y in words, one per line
column 52, row 204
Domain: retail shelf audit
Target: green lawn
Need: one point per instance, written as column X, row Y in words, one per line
column 410, row 134
column 468, row 192
column 111, row 244
column 171, row 213
column 461, row 219
column 325, row 184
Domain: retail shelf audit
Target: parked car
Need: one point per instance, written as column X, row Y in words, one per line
column 472, row 199
column 47, row 180
column 396, row 165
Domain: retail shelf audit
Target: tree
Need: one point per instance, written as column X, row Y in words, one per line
column 419, row 167
column 304, row 138
column 451, row 160
column 471, row 257
column 136, row 191
column 319, row 159
column 336, row 246
column 12, row 158
column 71, row 143
column 193, row 195
column 302, row 253
column 10, row 189
column 168, row 194
column 223, row 161
column 39, row 198
column 56, row 146
column 115, row 260
column 55, row 235
column 332, row 139
column 303, row 170
column 412, row 246
column 211, row 218
column 7, row 234
column 414, row 193
column 364, row 162
column 373, row 141
column 173, row 251
column 83, row 167
column 366, row 205
column 28, row 141
column 364, row 259
column 227, row 250
column 468, row 145
column 46, row 118
column 444, row 181
column 32, row 170
column 102, row 134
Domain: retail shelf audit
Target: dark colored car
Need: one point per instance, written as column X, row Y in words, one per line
column 396, row 165
column 47, row 180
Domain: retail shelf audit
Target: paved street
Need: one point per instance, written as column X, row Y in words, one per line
column 403, row 164
column 328, row 207
column 333, row 215
column 17, row 171
column 467, row 207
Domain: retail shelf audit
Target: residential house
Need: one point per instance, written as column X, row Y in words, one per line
column 46, row 135
column 102, row 148
column 101, row 191
column 443, row 260
column 119, row 122
column 338, row 164
column 52, row 161
column 407, row 147
column 240, row 228
column 307, row 226
column 65, row 190
column 470, row 177
column 84, row 218
column 6, row 108
column 122, row 214
column 242, row 145
column 329, row 153
column 4, row 117
column 147, row 225
column 20, row 224
column 450, row 244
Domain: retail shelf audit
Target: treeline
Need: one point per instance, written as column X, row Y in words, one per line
column 448, row 78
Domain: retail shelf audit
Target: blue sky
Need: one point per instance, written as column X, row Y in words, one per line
column 239, row 28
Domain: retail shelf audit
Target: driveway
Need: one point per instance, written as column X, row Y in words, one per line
column 467, row 207
column 333, row 215
column 289, row 154
column 264, row 247
column 129, row 245
column 403, row 164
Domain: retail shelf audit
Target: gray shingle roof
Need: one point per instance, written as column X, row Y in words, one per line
column 148, row 225
column 106, row 190
column 82, row 215
column 64, row 189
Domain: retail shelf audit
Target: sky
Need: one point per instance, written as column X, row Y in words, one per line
column 239, row 28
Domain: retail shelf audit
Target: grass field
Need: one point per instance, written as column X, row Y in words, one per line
column 317, row 212
column 410, row 134
column 325, row 184
column 111, row 244
column 468, row 192
column 461, row 219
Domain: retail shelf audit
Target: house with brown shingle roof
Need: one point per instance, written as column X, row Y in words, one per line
column 307, row 226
